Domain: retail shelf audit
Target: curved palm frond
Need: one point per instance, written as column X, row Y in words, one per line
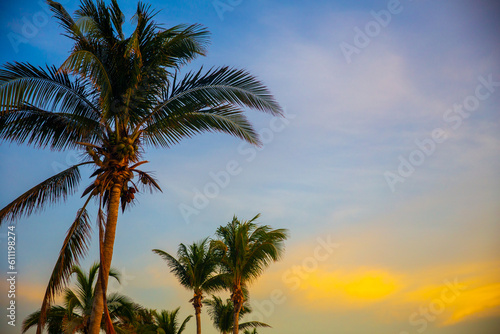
column 66, row 21
column 180, row 44
column 253, row 324
column 215, row 282
column 54, row 320
column 103, row 28
column 189, row 121
column 89, row 66
column 218, row 87
column 72, row 301
column 55, row 188
column 75, row 246
column 120, row 307
column 34, row 126
column 117, row 17
column 22, row 83
column 147, row 181
column 182, row 327
column 175, row 267
column 266, row 247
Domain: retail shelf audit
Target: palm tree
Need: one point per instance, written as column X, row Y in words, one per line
column 253, row 331
column 222, row 315
column 195, row 269
column 143, row 322
column 113, row 98
column 166, row 322
column 247, row 250
column 74, row 316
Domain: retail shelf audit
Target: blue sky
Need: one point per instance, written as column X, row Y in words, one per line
column 413, row 96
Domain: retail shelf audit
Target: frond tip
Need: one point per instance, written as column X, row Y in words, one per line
column 55, row 188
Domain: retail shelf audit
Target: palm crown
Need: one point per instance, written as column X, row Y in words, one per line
column 166, row 322
column 113, row 98
column 222, row 315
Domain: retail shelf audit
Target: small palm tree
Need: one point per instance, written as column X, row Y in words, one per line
column 195, row 267
column 112, row 99
column 248, row 331
column 143, row 322
column 74, row 316
column 246, row 250
column 166, row 322
column 222, row 315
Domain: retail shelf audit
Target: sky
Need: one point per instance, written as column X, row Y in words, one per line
column 385, row 168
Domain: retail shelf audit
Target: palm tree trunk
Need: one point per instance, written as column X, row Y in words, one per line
column 236, row 317
column 109, row 240
column 198, row 320
column 197, row 309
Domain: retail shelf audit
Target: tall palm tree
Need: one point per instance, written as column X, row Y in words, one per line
column 166, row 322
column 74, row 316
column 247, row 250
column 113, row 98
column 222, row 315
column 195, row 267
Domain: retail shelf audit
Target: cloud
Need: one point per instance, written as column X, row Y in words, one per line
column 346, row 283
column 480, row 302
column 347, row 290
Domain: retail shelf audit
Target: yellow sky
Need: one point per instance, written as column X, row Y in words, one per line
column 434, row 295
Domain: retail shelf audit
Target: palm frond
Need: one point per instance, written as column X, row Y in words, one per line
column 117, row 17
column 147, row 181
column 253, row 324
column 182, row 327
column 219, row 86
column 30, row 125
column 54, row 320
column 71, row 300
column 188, row 121
column 175, row 266
column 74, row 247
column 50, row 191
column 103, row 31
column 89, row 66
column 215, row 283
column 24, row 84
column 178, row 45
column 30, row 321
column 65, row 20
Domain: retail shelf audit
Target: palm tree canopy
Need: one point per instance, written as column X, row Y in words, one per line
column 247, row 248
column 194, row 266
column 167, row 323
column 221, row 314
